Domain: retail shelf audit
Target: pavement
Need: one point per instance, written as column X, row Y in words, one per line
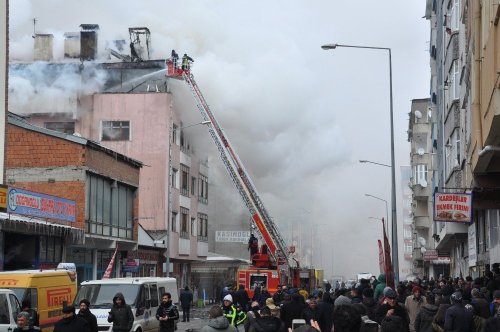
column 198, row 319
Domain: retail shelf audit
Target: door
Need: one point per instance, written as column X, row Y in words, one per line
column 7, row 316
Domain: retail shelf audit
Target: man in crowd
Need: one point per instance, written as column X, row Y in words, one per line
column 87, row 315
column 23, row 323
column 167, row 314
column 71, row 322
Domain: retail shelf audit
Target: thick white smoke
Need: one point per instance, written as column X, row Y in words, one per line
column 299, row 117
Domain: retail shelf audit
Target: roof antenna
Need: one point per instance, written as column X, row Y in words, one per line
column 34, row 27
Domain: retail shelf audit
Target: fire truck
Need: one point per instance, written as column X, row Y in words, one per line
column 271, row 265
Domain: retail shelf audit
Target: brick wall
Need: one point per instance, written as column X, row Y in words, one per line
column 109, row 166
column 26, row 148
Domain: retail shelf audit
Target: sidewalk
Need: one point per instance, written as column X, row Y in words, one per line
column 198, row 319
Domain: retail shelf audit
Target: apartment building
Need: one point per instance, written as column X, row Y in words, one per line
column 127, row 106
column 465, row 96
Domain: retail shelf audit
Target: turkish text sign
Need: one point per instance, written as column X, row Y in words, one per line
column 453, row 207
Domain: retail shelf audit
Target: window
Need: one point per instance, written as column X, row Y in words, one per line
column 174, row 133
column 193, row 227
column 173, row 222
column 184, row 223
column 109, row 207
column 154, row 295
column 173, row 180
column 202, row 227
column 408, row 248
column 115, row 131
column 420, row 174
column 455, row 15
column 193, row 186
column 455, row 81
column 407, row 232
column 184, row 180
column 63, row 127
column 203, row 189
column 50, row 249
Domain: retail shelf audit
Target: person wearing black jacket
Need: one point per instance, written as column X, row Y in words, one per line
column 241, row 298
column 186, row 299
column 71, row 322
column 457, row 317
column 425, row 317
column 167, row 313
column 390, row 307
column 23, row 323
column 121, row 314
column 292, row 310
column 267, row 323
column 87, row 315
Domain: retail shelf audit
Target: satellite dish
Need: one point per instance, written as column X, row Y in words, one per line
column 422, row 241
column 418, row 114
column 423, row 250
column 429, row 114
column 423, row 183
column 420, row 151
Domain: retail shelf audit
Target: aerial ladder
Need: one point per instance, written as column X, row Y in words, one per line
column 276, row 246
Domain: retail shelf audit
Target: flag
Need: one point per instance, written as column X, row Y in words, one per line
column 389, row 275
column 381, row 257
column 109, row 269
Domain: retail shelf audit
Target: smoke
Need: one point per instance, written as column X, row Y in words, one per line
column 299, row 117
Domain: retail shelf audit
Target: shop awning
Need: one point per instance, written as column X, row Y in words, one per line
column 16, row 223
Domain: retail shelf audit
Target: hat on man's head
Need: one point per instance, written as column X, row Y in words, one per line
column 228, row 297
column 342, row 300
column 67, row 309
column 496, row 294
column 87, row 302
column 390, row 293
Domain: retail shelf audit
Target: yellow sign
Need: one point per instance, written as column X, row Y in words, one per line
column 3, row 198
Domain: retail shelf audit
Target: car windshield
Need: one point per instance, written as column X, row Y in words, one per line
column 19, row 293
column 101, row 296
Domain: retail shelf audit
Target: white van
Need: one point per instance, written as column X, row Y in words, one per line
column 142, row 294
column 9, row 308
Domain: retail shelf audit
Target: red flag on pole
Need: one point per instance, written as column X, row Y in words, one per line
column 389, row 275
column 109, row 269
column 381, row 257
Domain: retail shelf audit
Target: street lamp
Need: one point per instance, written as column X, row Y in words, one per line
column 394, row 223
column 372, row 162
column 381, row 199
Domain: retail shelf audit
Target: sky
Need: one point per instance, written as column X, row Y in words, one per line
column 299, row 117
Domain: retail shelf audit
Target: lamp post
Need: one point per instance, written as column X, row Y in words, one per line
column 386, row 209
column 394, row 224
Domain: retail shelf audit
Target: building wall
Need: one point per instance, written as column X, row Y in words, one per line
column 4, row 54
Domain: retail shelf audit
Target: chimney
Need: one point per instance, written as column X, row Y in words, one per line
column 88, row 41
column 72, row 45
column 44, row 47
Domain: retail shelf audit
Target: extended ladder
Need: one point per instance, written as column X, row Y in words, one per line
column 240, row 178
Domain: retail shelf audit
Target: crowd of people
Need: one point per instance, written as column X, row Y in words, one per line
column 421, row 305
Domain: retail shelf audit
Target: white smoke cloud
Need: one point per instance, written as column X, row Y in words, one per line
column 299, row 117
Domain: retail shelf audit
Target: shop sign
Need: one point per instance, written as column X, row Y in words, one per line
column 453, row 207
column 471, row 232
column 430, row 255
column 131, row 265
column 34, row 204
column 232, row 236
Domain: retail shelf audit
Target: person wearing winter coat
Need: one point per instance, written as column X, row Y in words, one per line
column 311, row 312
column 267, row 323
column 217, row 322
column 186, row 299
column 241, row 298
column 85, row 313
column 423, row 321
column 413, row 303
column 71, row 322
column 234, row 314
column 121, row 314
column 457, row 317
column 369, row 303
column 480, row 304
column 167, row 313
column 390, row 307
column 292, row 310
column 379, row 289
column 23, row 323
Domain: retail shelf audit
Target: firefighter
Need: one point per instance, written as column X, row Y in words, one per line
column 234, row 315
column 175, row 58
column 253, row 245
column 186, row 62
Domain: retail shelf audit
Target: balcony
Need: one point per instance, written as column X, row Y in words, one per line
column 449, row 234
column 422, row 222
column 421, row 192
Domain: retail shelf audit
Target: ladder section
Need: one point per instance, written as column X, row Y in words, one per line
column 239, row 176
